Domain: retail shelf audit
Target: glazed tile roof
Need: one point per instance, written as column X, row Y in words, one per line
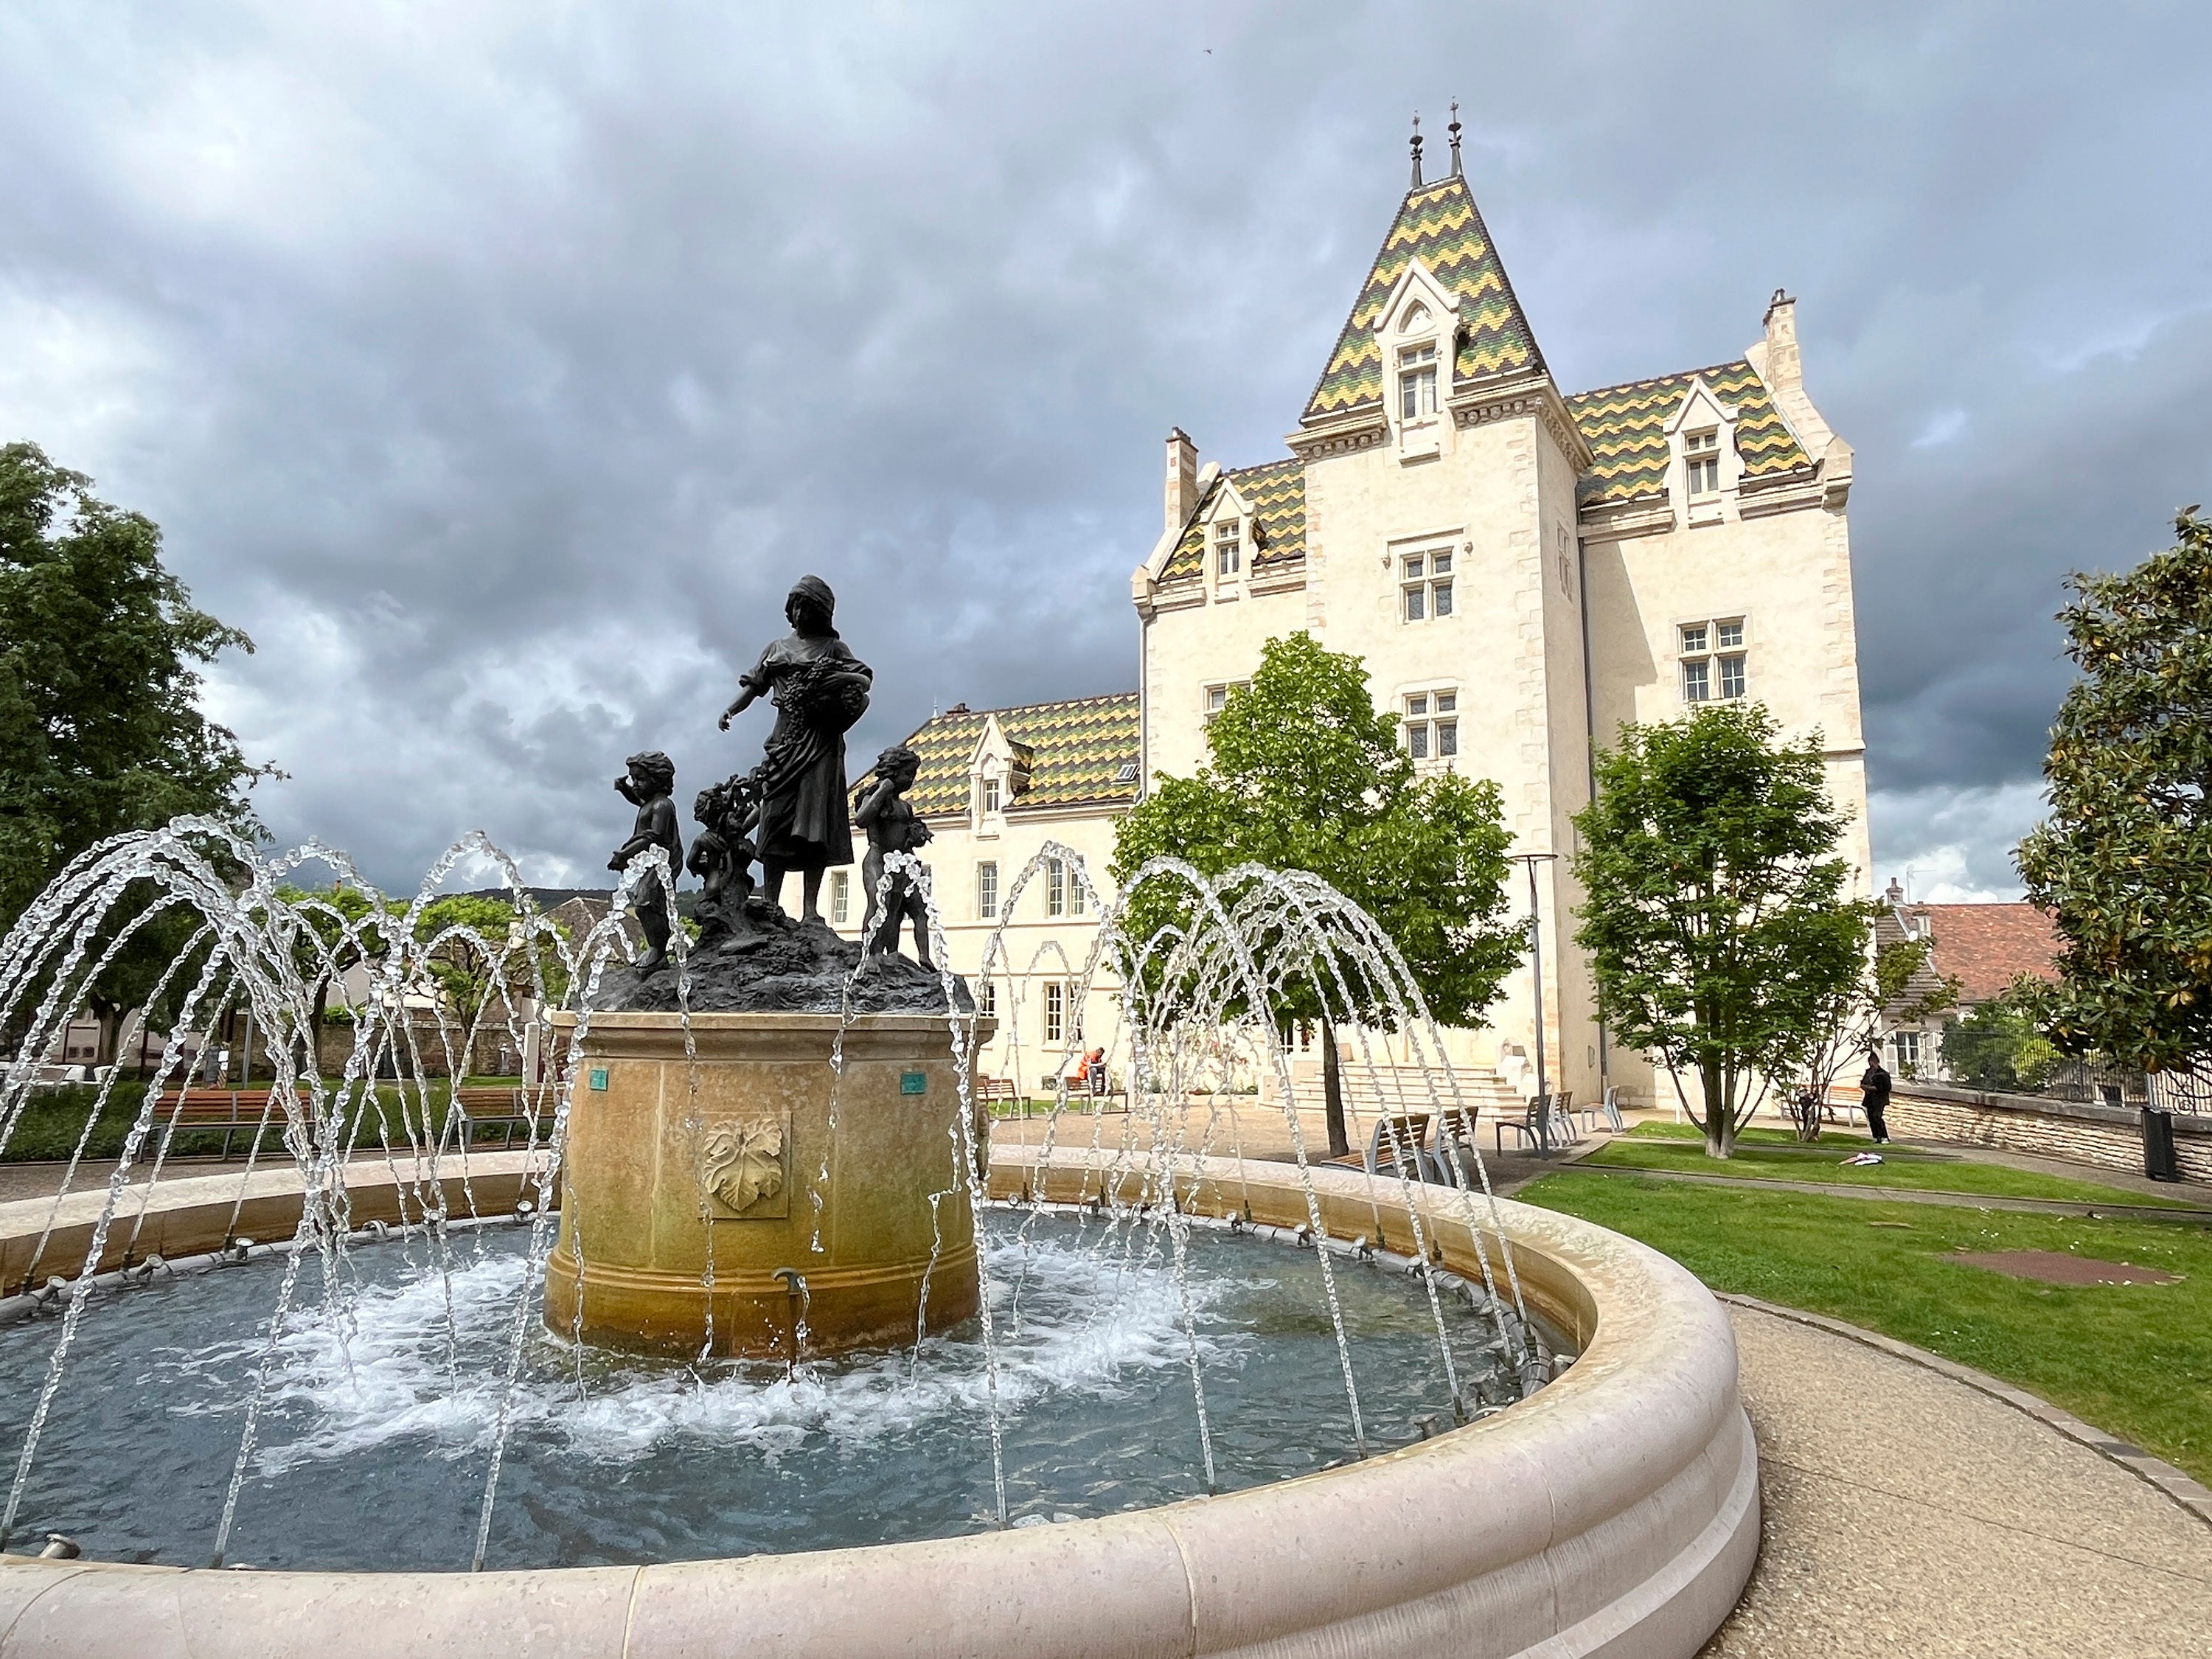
column 1077, row 752
column 1440, row 225
column 1276, row 493
column 1625, row 426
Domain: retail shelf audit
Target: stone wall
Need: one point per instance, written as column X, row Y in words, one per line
column 2110, row 1137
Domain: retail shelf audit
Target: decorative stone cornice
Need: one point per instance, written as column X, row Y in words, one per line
column 1364, row 429
column 1526, row 396
column 1621, row 521
column 1654, row 515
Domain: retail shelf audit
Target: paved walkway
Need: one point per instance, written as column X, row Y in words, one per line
column 1908, row 1514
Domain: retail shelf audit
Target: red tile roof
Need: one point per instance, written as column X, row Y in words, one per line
column 1987, row 947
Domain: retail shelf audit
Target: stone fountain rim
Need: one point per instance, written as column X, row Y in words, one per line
column 1618, row 1514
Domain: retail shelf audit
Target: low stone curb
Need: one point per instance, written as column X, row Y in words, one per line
column 2191, row 1494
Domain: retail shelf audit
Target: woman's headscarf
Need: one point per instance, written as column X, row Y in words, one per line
column 814, row 591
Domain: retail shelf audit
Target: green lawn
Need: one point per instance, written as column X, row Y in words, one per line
column 1777, row 1155
column 2134, row 1360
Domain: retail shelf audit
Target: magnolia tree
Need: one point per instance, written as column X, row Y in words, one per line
column 1715, row 911
column 1305, row 774
column 2123, row 864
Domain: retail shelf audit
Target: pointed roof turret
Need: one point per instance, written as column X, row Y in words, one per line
column 1439, row 224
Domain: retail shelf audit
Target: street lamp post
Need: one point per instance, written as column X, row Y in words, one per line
column 1537, row 986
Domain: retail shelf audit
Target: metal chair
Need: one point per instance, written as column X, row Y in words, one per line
column 1610, row 1111
column 1533, row 1127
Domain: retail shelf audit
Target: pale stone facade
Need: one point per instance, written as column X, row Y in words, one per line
column 1521, row 572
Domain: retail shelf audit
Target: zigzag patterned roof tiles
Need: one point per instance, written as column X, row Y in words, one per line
column 1077, row 751
column 1276, row 493
column 1625, row 426
column 1439, row 224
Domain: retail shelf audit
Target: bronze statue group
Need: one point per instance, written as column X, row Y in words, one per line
column 791, row 813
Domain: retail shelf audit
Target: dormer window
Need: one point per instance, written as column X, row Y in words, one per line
column 1417, row 381
column 990, row 789
column 1228, row 550
column 1701, row 461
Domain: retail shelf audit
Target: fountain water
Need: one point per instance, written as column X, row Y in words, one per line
column 1012, row 1297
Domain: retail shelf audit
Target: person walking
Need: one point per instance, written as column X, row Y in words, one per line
column 1874, row 1095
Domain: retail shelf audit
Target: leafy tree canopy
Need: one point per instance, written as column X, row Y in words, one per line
column 2124, row 864
column 100, row 728
column 1715, row 916
column 1307, row 775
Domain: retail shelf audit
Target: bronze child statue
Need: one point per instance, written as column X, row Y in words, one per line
column 893, row 826
column 821, row 690
column 650, row 781
column 722, row 856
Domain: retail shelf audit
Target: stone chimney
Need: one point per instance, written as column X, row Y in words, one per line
column 1183, row 478
column 1783, row 371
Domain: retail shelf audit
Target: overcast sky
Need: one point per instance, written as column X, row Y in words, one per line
column 497, row 367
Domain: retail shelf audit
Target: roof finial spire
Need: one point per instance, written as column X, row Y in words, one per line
column 1454, row 130
column 1417, row 149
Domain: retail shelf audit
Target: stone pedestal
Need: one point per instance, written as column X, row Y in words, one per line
column 675, row 1162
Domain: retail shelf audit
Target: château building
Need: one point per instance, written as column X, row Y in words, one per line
column 1522, row 569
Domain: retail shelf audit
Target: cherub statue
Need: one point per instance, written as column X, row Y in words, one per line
column 821, row 690
column 723, row 853
column 650, row 781
column 893, row 826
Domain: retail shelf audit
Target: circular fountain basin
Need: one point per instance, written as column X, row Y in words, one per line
column 1615, row 1512
column 369, row 1452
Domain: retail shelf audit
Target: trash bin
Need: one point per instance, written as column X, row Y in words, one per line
column 2158, row 1146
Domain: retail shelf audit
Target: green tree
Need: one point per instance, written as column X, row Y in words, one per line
column 334, row 916
column 2000, row 1046
column 1715, row 916
column 1307, row 775
column 1898, row 987
column 100, row 728
column 2124, row 864
column 478, row 951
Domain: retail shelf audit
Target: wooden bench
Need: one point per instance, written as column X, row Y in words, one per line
column 1082, row 1091
column 238, row 1111
column 231, row 1111
column 506, row 1109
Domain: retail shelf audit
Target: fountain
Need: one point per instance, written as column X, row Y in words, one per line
column 758, row 1343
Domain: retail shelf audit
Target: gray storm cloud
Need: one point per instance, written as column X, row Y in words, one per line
column 497, row 367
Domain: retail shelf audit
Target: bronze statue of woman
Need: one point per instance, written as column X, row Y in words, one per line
column 821, row 690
